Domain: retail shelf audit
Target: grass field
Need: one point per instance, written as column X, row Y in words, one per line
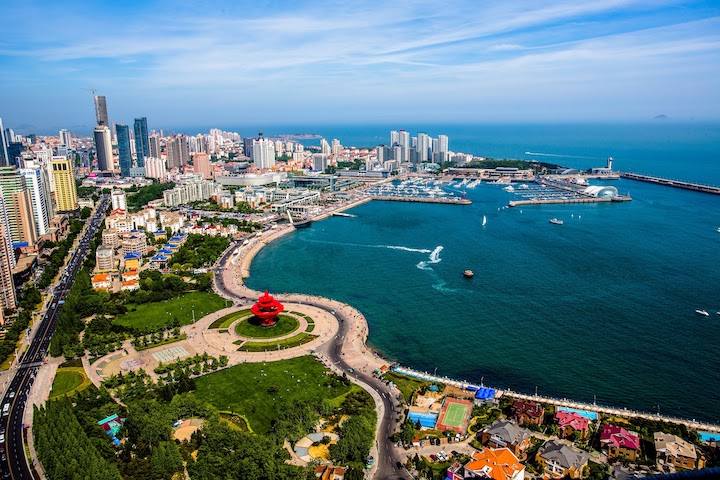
column 407, row 385
column 251, row 328
column 258, row 390
column 224, row 322
column 294, row 341
column 162, row 313
column 69, row 380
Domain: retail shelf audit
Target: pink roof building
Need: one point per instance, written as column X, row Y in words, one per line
column 569, row 422
column 619, row 442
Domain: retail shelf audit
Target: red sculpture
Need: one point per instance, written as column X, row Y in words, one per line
column 267, row 309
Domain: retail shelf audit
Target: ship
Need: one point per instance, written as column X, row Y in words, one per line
column 468, row 274
column 556, row 221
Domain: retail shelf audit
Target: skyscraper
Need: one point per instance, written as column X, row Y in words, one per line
column 154, row 146
column 178, row 153
column 404, row 141
column 201, row 164
column 7, row 260
column 4, row 142
column 423, row 147
column 65, row 138
column 18, row 205
column 124, row 155
column 394, row 138
column 142, row 141
column 263, row 152
column 65, row 189
column 103, row 148
column 39, row 191
column 101, row 111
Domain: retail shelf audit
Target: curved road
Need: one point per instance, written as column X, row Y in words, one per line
column 13, row 463
column 390, row 460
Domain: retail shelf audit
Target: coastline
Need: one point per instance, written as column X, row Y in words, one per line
column 249, row 255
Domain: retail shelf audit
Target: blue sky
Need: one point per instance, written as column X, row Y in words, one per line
column 263, row 62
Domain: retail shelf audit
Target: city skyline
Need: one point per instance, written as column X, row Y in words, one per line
column 361, row 63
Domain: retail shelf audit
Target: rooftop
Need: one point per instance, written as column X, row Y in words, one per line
column 497, row 464
column 619, row 437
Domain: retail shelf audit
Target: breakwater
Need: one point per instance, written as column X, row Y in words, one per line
column 547, row 201
column 408, row 198
column 671, row 183
column 564, row 402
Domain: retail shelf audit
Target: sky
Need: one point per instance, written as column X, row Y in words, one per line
column 183, row 63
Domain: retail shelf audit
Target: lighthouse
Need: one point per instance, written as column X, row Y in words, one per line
column 609, row 164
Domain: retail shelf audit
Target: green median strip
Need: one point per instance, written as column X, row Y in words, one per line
column 294, row 341
column 227, row 320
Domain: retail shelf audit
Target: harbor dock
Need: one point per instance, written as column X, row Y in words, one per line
column 671, row 183
column 419, row 199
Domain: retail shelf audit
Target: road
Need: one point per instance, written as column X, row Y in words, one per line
column 13, row 462
column 389, row 459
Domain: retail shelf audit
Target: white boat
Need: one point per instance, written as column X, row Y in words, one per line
column 702, row 312
column 509, row 188
column 556, row 221
column 718, row 230
column 484, row 220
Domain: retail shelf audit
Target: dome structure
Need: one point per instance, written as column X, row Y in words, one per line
column 601, row 191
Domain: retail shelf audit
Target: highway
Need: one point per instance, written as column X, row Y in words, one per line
column 13, row 462
column 390, row 460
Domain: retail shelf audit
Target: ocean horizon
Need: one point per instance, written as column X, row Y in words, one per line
column 601, row 308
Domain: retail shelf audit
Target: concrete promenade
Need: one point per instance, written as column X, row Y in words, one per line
column 564, row 402
column 671, row 183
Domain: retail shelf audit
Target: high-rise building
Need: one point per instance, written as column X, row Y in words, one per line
column 65, row 188
column 394, row 138
column 178, row 153
column 155, row 168
column 7, row 261
column 18, row 205
column 101, row 111
column 325, row 147
column 4, row 142
column 336, row 147
column 442, row 143
column 263, row 152
column 423, row 147
column 118, row 199
column 142, row 141
column 39, row 191
column 124, row 155
column 103, row 148
column 404, row 142
column 154, row 146
column 66, row 138
column 201, row 164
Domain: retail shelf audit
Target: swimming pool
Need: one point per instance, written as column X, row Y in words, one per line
column 582, row 413
column 426, row 419
column 709, row 436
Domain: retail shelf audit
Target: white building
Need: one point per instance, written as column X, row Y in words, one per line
column 119, row 200
column 39, row 197
column 263, row 154
column 155, row 168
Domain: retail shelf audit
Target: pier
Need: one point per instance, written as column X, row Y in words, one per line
column 548, row 201
column 671, row 183
column 564, row 402
column 408, row 198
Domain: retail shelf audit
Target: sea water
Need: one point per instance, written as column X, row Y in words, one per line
column 602, row 306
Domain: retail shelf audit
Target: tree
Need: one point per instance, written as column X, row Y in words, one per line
column 407, row 434
column 85, row 212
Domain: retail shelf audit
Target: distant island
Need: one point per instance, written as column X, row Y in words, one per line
column 300, row 136
column 661, row 117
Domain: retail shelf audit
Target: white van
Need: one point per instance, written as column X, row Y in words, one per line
column 6, row 408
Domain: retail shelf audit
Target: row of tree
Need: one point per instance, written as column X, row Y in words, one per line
column 200, row 250
column 143, row 195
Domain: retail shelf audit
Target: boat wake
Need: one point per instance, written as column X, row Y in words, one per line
column 407, row 249
column 540, row 154
column 434, row 258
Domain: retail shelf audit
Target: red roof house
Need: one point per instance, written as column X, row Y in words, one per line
column 570, row 422
column 619, row 442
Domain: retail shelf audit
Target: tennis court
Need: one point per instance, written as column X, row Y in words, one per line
column 454, row 415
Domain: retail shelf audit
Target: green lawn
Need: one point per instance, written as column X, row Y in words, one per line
column 69, row 380
column 258, row 390
column 294, row 341
column 156, row 314
column 224, row 322
column 251, row 328
column 407, row 385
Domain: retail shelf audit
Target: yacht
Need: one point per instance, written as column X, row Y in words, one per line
column 468, row 274
column 555, row 221
column 702, row 312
